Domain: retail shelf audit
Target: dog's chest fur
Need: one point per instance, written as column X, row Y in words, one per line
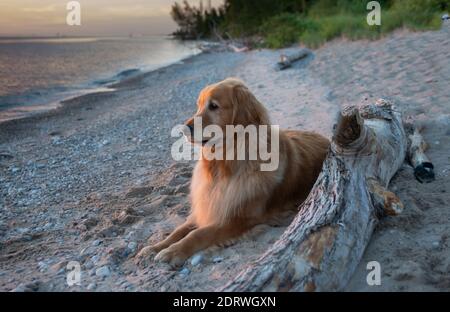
column 219, row 195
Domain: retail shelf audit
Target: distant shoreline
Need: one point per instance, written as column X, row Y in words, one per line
column 80, row 37
column 62, row 106
column 96, row 86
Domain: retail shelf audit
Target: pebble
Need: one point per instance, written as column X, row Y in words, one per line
column 89, row 265
column 95, row 259
column 96, row 242
column 436, row 245
column 132, row 246
column 22, row 230
column 103, row 271
column 86, row 251
column 42, row 266
column 196, row 259
column 217, row 259
column 92, row 286
column 21, row 288
column 129, row 287
column 33, row 286
column 185, row 271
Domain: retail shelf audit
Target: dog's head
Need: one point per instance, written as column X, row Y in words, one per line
column 228, row 102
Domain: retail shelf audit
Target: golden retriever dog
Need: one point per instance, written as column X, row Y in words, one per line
column 230, row 196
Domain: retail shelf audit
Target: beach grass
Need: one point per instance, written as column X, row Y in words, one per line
column 326, row 20
column 311, row 22
column 313, row 31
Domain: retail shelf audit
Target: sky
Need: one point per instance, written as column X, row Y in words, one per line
column 98, row 17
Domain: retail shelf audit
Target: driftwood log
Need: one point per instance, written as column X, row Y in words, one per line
column 286, row 61
column 321, row 248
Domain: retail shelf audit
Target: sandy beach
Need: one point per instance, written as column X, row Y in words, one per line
column 94, row 180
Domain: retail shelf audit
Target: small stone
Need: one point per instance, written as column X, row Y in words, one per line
column 92, row 286
column 42, row 266
column 30, row 287
column 89, row 265
column 132, row 246
column 96, row 242
column 103, row 271
column 95, row 259
column 23, row 230
column 436, row 245
column 86, row 251
column 196, row 259
column 185, row 271
column 124, row 283
column 20, row 288
column 105, row 142
column 217, row 259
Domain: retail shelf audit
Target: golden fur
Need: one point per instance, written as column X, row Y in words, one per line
column 229, row 197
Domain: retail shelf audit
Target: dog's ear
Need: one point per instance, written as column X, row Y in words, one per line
column 247, row 110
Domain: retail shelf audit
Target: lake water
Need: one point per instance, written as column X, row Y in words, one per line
column 37, row 72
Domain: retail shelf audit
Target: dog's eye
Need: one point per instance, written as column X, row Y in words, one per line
column 213, row 106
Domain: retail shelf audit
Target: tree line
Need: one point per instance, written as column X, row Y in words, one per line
column 250, row 17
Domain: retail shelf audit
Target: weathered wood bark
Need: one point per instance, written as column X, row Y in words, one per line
column 286, row 61
column 320, row 250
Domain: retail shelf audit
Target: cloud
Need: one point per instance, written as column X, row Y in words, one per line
column 45, row 9
column 136, row 11
column 98, row 16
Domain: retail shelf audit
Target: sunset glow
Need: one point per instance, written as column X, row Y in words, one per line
column 99, row 17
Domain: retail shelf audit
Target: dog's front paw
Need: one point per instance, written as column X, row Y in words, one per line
column 144, row 256
column 158, row 247
column 172, row 255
